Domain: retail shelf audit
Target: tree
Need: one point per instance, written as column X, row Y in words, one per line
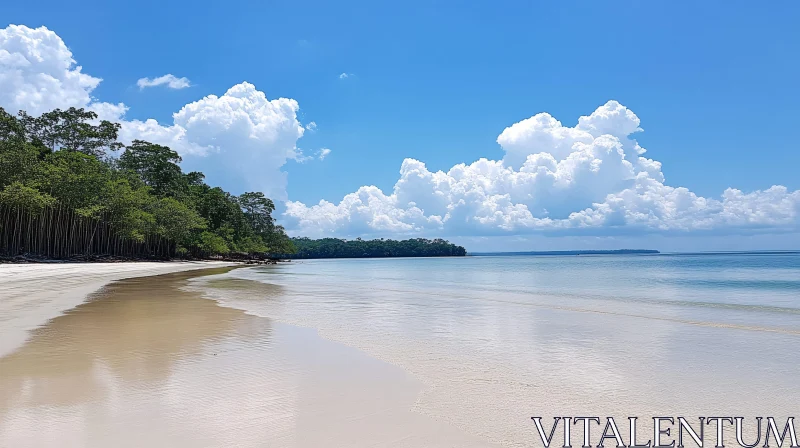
column 71, row 130
column 19, row 161
column 176, row 221
column 60, row 196
column 78, row 180
column 20, row 196
column 358, row 248
column 280, row 243
column 258, row 211
column 157, row 166
column 211, row 243
column 11, row 130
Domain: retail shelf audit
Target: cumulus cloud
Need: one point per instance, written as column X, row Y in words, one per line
column 169, row 80
column 345, row 75
column 311, row 126
column 240, row 139
column 590, row 178
column 39, row 74
column 244, row 138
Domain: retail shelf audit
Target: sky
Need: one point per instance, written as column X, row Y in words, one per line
column 497, row 125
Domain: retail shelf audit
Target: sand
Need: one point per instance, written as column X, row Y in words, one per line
column 31, row 294
column 149, row 362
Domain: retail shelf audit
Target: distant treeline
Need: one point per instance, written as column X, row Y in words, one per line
column 62, row 195
column 358, row 248
column 575, row 252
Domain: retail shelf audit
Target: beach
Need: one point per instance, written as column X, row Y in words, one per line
column 34, row 293
column 146, row 362
column 399, row 352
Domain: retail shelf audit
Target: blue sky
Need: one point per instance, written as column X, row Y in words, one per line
column 714, row 85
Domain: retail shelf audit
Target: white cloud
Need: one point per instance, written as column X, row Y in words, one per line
column 169, row 80
column 311, row 126
column 586, row 179
column 38, row 74
column 240, row 139
column 300, row 157
column 345, row 75
column 244, row 138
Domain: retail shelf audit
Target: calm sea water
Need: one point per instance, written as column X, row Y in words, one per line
column 496, row 340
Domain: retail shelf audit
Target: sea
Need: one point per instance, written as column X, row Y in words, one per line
column 496, row 340
column 408, row 352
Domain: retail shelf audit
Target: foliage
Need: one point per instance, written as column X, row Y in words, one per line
column 358, row 248
column 212, row 243
column 72, row 130
column 176, row 221
column 18, row 196
column 156, row 165
column 56, row 176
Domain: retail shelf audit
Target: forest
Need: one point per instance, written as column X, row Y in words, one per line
column 358, row 248
column 64, row 194
column 70, row 190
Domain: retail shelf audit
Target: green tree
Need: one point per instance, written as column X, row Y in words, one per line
column 358, row 248
column 211, row 243
column 18, row 196
column 258, row 212
column 60, row 195
column 75, row 179
column 157, row 166
column 11, row 129
column 19, row 161
column 176, row 221
column 72, row 130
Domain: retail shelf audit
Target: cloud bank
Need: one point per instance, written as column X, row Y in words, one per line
column 169, row 80
column 588, row 179
column 240, row 139
column 38, row 74
column 591, row 179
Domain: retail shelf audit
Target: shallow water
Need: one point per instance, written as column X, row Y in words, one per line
column 419, row 352
column 146, row 362
column 31, row 294
column 496, row 340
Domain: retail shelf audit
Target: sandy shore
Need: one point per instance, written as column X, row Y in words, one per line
column 31, row 294
column 148, row 361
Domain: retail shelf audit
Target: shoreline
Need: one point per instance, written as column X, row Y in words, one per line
column 34, row 293
column 176, row 358
column 112, row 260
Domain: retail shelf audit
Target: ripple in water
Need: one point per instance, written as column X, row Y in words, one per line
column 496, row 340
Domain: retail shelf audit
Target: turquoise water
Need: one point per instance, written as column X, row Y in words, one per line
column 499, row 339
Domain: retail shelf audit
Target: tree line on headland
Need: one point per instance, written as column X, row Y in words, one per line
column 358, row 248
column 65, row 195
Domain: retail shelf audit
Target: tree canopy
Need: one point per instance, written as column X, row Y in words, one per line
column 58, row 174
column 63, row 193
column 358, row 248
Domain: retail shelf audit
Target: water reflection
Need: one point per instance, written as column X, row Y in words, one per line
column 496, row 340
column 140, row 348
column 148, row 362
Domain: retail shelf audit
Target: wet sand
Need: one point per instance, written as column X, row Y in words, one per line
column 149, row 362
column 31, row 294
